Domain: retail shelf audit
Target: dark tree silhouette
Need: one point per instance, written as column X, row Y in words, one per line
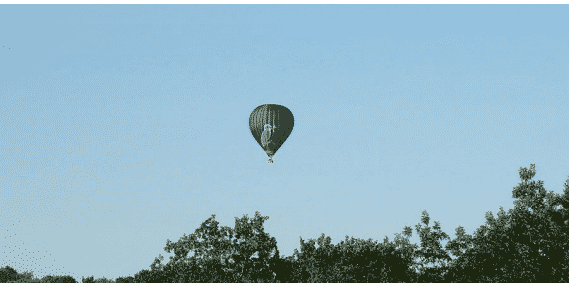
column 526, row 244
column 244, row 253
column 352, row 260
column 529, row 243
column 7, row 274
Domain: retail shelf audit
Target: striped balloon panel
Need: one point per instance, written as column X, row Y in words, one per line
column 279, row 117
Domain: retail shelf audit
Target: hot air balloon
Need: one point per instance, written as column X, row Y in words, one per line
column 271, row 125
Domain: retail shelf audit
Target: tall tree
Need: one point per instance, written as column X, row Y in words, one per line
column 244, row 253
column 529, row 243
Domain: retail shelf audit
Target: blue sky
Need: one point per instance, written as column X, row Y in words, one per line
column 125, row 126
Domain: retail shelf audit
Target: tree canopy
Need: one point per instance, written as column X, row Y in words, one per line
column 529, row 243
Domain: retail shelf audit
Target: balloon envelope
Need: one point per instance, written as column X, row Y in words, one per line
column 281, row 122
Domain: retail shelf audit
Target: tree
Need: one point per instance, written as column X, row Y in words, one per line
column 283, row 268
column 525, row 244
column 352, row 260
column 127, row 279
column 90, row 279
column 8, row 274
column 244, row 253
column 58, row 279
column 433, row 259
column 147, row 276
column 529, row 243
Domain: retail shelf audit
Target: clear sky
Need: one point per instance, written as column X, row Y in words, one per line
column 124, row 126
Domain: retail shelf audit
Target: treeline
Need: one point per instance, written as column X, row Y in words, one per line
column 529, row 243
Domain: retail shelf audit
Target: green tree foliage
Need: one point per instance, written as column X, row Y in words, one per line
column 125, row 279
column 49, row 279
column 352, row 260
column 432, row 260
column 26, row 277
column 8, row 274
column 149, row 276
column 244, row 253
column 58, row 279
column 529, row 243
column 92, row 279
column 526, row 244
